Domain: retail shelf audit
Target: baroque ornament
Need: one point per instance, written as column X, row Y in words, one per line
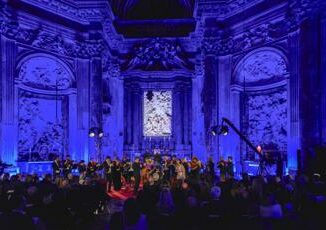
column 45, row 73
column 158, row 54
column 261, row 66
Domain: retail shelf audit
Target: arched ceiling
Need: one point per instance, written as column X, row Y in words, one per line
column 153, row 18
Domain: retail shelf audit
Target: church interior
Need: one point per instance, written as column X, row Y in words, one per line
column 206, row 79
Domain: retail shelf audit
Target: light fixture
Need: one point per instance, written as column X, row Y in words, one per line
column 100, row 133
column 215, row 130
column 95, row 131
column 224, row 130
column 220, row 129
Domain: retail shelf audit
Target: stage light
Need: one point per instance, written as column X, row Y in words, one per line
column 224, row 130
column 100, row 133
column 95, row 131
column 215, row 130
column 91, row 132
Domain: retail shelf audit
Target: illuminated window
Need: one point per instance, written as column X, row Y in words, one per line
column 157, row 113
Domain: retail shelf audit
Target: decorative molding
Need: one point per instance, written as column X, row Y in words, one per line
column 56, row 43
column 224, row 9
column 260, row 35
column 158, row 54
column 72, row 11
column 302, row 9
column 110, row 65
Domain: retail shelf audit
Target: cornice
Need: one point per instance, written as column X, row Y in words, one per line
column 82, row 12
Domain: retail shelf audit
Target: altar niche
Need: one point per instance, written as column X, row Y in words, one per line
column 157, row 116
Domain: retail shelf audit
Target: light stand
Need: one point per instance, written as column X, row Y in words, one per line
column 222, row 130
column 97, row 134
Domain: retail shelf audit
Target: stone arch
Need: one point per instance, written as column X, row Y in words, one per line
column 261, row 66
column 44, row 71
column 45, row 106
column 260, row 100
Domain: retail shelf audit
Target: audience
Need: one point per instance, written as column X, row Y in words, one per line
column 253, row 202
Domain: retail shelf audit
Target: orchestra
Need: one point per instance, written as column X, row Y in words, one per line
column 154, row 168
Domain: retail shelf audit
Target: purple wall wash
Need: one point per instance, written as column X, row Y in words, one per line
column 91, row 58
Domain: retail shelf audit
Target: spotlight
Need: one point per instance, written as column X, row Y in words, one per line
column 91, row 132
column 94, row 131
column 100, row 133
column 224, row 130
column 215, row 130
column 218, row 130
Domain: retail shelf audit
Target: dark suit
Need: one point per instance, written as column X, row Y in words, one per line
column 67, row 167
column 108, row 173
column 56, row 169
column 136, row 172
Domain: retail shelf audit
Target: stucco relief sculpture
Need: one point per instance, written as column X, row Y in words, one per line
column 262, row 66
column 157, row 54
column 268, row 119
column 46, row 73
column 40, row 130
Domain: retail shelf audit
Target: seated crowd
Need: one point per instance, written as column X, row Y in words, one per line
column 251, row 203
column 197, row 201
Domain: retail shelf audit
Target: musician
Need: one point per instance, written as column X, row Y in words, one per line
column 166, row 169
column 195, row 166
column 107, row 164
column 229, row 168
column 210, row 170
column 180, row 171
column 67, row 166
column 136, row 168
column 222, row 167
column 157, row 159
column 185, row 165
column 91, row 168
column 116, row 175
column 126, row 170
column 56, row 167
column 82, row 167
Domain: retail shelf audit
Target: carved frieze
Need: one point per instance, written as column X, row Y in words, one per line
column 69, row 10
column 301, row 9
column 258, row 36
column 158, row 54
column 223, row 9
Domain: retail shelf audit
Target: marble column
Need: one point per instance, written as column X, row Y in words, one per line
column 210, row 102
column 323, row 78
column 293, row 101
column 72, row 127
column 187, row 115
column 136, row 127
column 83, row 108
column 309, row 94
column 197, row 117
column 177, row 116
column 9, row 124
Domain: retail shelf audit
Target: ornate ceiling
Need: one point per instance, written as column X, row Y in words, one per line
column 153, row 18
